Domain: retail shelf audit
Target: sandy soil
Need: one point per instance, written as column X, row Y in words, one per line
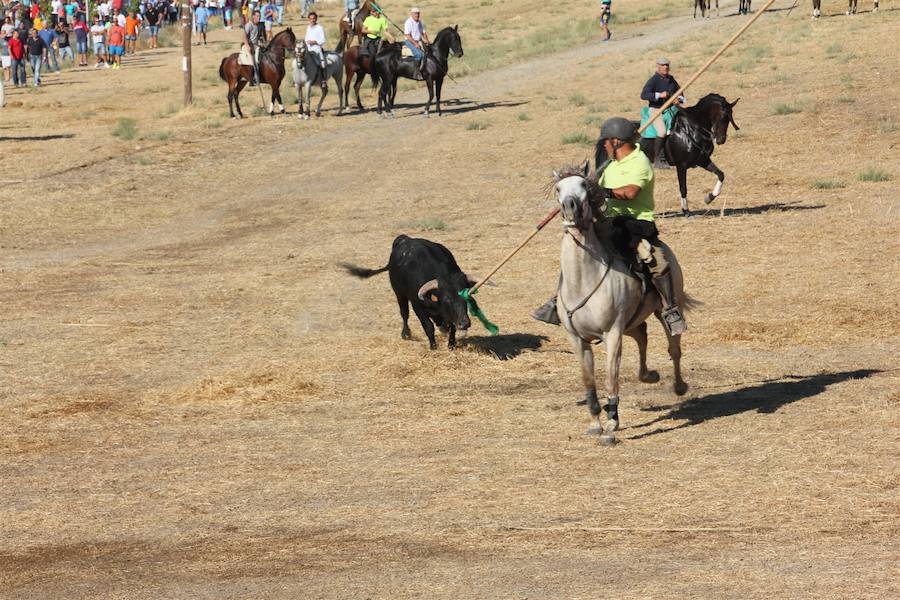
column 196, row 402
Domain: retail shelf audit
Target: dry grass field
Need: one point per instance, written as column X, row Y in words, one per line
column 197, row 403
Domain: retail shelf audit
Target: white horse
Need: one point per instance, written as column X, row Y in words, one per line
column 601, row 300
column 307, row 74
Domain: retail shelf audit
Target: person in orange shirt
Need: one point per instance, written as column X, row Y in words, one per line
column 132, row 30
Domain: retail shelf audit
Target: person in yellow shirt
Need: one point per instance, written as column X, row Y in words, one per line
column 627, row 183
column 374, row 28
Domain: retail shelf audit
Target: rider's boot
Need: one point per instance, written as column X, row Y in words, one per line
column 659, row 151
column 420, row 69
column 671, row 314
column 547, row 312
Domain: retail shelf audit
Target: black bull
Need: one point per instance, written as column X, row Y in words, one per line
column 425, row 274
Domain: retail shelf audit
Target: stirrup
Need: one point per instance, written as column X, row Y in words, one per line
column 674, row 321
column 547, row 312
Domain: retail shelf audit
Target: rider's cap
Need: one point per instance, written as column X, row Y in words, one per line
column 619, row 128
column 414, row 10
column 662, row 61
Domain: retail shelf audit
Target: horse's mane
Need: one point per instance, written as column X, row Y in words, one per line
column 595, row 192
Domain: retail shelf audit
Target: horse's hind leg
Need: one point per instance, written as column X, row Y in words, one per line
column 680, row 386
column 324, row 89
column 430, row 84
column 237, row 92
column 639, row 334
column 231, row 101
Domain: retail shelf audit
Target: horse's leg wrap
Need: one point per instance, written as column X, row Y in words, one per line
column 611, row 408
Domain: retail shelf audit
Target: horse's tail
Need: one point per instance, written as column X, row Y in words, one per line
column 222, row 69
column 361, row 272
column 689, row 302
column 375, row 74
column 342, row 43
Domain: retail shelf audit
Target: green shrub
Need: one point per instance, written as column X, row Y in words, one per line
column 125, row 129
column 577, row 137
column 786, row 109
column 477, row 126
column 873, row 174
column 523, row 117
column 827, row 184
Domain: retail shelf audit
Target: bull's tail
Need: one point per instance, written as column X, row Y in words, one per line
column 361, row 272
column 222, row 69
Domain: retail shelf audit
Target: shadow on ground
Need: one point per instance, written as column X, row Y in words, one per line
column 737, row 212
column 506, row 346
column 37, row 138
column 767, row 397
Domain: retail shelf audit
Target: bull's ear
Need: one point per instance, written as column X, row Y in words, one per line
column 456, row 28
column 586, row 168
column 735, row 102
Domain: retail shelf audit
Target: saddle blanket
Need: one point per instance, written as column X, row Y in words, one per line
column 668, row 117
column 244, row 56
column 405, row 52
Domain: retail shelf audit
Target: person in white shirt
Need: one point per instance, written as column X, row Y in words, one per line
column 416, row 37
column 315, row 42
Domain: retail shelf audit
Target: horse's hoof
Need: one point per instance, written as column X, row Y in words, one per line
column 608, row 439
column 649, row 377
column 593, row 429
column 680, row 388
column 685, row 213
column 709, row 198
column 611, row 426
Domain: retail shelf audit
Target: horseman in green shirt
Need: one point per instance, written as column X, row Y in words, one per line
column 374, row 28
column 627, row 183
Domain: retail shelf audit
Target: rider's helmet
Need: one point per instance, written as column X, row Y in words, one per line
column 619, row 128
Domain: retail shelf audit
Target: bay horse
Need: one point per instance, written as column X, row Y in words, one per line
column 601, row 300
column 359, row 65
column 696, row 130
column 271, row 71
column 389, row 65
column 705, row 7
column 350, row 30
column 306, row 74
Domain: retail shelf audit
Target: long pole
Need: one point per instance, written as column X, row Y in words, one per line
column 659, row 111
column 186, row 50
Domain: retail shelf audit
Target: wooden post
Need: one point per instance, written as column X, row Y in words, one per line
column 186, row 50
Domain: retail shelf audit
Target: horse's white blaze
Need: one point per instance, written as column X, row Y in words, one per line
column 570, row 187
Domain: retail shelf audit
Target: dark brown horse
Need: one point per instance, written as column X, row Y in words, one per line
column 271, row 71
column 348, row 31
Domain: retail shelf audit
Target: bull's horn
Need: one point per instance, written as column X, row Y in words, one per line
column 426, row 289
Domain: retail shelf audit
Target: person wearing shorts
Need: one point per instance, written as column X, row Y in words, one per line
column 154, row 16
column 270, row 13
column 201, row 20
column 116, row 40
column 81, row 40
column 98, row 37
column 132, row 30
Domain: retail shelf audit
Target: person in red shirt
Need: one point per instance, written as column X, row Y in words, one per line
column 17, row 54
column 116, row 40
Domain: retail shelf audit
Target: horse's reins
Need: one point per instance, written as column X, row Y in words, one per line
column 580, row 305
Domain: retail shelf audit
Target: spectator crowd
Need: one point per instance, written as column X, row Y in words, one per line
column 46, row 35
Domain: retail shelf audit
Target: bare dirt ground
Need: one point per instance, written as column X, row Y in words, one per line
column 196, row 402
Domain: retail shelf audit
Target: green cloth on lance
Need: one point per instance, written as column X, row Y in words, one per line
column 668, row 116
column 476, row 312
